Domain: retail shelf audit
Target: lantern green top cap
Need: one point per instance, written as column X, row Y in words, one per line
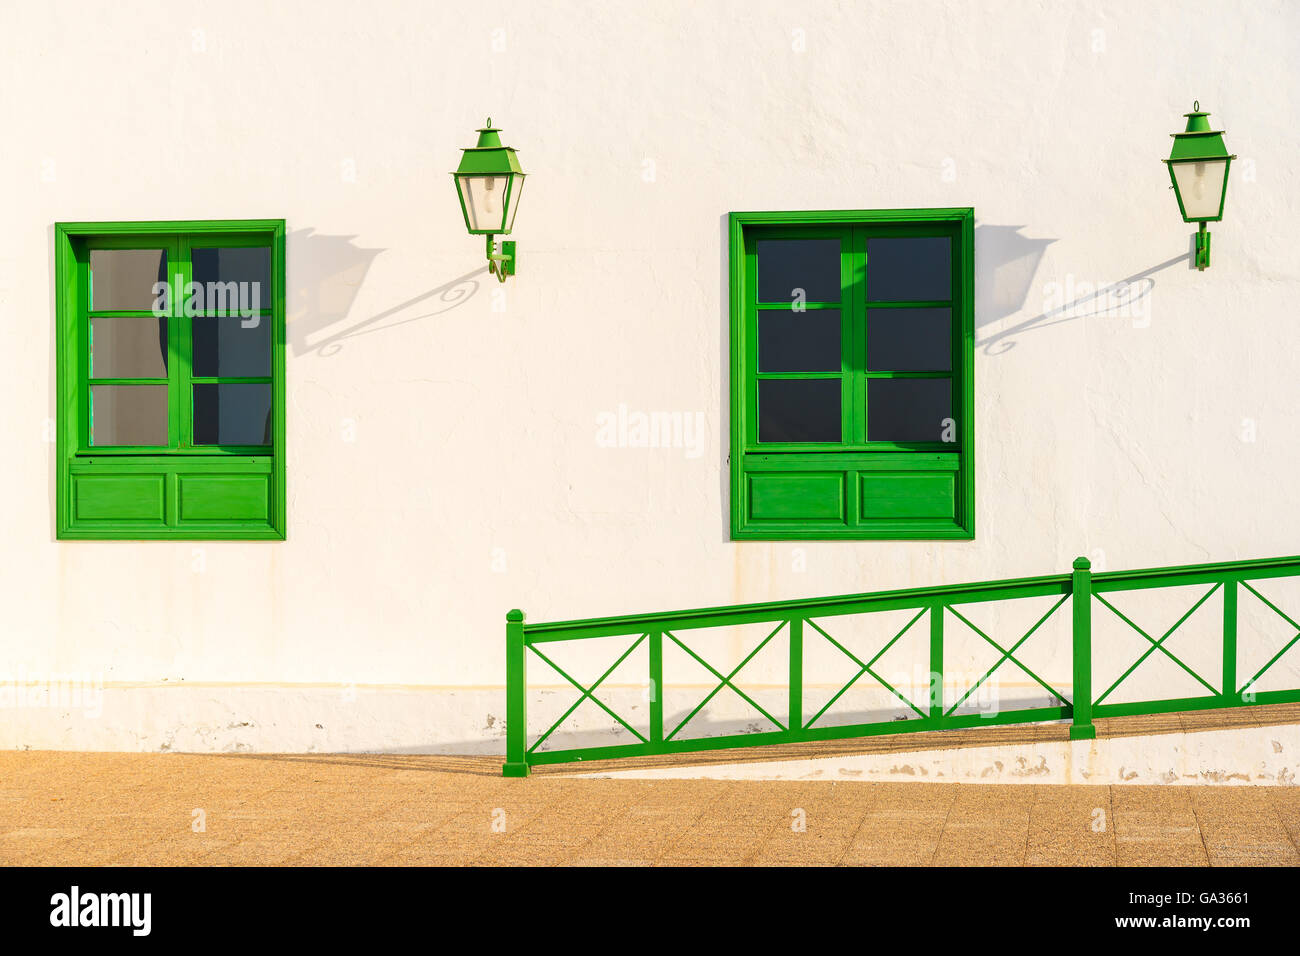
column 487, row 136
column 1196, row 119
column 1198, row 141
column 488, row 157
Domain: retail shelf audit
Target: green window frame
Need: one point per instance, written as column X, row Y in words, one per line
column 195, row 483
column 849, row 477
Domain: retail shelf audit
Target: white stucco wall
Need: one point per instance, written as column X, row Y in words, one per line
column 443, row 454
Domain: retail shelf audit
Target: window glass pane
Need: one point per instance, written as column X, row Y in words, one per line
column 904, row 268
column 232, row 414
column 909, row 340
column 128, row 347
column 233, row 280
column 232, row 346
column 125, row 278
column 128, row 415
column 908, row 409
column 799, row 341
column 799, row 410
column 788, row 265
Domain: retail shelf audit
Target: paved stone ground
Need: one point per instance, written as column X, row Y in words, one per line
column 60, row 808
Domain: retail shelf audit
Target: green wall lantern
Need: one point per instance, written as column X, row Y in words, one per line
column 1198, row 167
column 488, row 182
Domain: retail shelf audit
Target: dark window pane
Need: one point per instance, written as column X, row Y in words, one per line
column 125, row 278
column 909, row 268
column 128, row 415
column 799, row 410
column 128, row 347
column 908, row 409
column 788, row 265
column 232, row 346
column 909, row 340
column 232, row 414
column 233, row 280
column 799, row 341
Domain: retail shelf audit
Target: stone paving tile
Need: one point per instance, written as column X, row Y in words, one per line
column 1069, row 819
column 1232, row 801
column 889, row 837
column 1289, row 817
column 1156, row 824
column 1261, row 840
column 1062, row 794
column 986, row 822
column 990, row 809
column 916, row 796
column 822, row 845
column 895, row 852
column 1213, row 720
column 1158, row 837
column 1070, row 855
column 1157, row 854
column 1146, row 724
column 1151, row 798
column 1070, row 833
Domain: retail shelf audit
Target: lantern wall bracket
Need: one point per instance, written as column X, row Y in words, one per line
column 1202, row 248
column 501, row 264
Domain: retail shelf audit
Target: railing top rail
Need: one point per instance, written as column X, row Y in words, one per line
column 1198, row 570
column 848, row 603
column 843, row 603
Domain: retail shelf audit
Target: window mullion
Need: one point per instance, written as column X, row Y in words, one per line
column 856, row 297
column 182, row 406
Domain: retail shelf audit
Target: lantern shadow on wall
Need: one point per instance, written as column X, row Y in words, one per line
column 325, row 275
column 1008, row 262
column 1083, row 301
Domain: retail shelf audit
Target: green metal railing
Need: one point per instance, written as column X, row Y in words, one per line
column 1081, row 589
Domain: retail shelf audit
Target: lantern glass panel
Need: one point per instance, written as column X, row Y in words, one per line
column 512, row 205
column 485, row 199
column 1200, row 186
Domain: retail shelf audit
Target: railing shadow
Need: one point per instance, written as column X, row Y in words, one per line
column 489, row 764
column 704, row 726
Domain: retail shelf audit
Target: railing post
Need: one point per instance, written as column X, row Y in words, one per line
column 657, row 687
column 516, row 764
column 1081, row 728
column 796, row 674
column 1229, row 688
column 936, row 661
